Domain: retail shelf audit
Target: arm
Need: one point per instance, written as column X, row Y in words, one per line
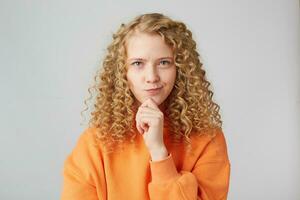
column 75, row 187
column 80, row 171
column 208, row 180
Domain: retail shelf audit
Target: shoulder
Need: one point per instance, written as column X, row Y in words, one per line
column 85, row 151
column 88, row 136
column 213, row 147
column 218, row 139
column 84, row 158
column 207, row 136
column 86, row 140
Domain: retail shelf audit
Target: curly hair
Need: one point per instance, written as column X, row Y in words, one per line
column 189, row 107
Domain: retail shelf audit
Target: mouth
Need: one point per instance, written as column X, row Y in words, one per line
column 151, row 89
column 154, row 90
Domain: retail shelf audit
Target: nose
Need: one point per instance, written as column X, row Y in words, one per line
column 151, row 74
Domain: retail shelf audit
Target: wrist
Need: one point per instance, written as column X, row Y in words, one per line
column 159, row 153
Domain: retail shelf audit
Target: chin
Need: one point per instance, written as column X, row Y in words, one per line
column 157, row 99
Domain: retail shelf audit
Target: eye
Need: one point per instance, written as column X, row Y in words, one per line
column 165, row 62
column 136, row 63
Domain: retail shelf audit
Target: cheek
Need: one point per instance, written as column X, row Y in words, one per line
column 129, row 77
column 171, row 77
column 132, row 80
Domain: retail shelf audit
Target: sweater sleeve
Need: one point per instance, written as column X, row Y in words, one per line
column 80, row 171
column 208, row 180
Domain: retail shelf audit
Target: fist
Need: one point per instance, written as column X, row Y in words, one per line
column 149, row 123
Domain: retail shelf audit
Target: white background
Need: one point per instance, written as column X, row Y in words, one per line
column 50, row 50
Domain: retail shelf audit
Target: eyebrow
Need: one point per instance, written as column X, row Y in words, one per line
column 145, row 59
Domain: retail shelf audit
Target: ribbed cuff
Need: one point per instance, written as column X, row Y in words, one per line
column 163, row 170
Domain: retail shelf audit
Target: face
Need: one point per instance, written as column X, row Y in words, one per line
column 150, row 65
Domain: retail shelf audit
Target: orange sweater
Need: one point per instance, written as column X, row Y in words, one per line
column 129, row 174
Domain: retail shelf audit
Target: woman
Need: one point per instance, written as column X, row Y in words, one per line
column 155, row 132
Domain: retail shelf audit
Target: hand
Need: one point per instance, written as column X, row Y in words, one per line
column 149, row 122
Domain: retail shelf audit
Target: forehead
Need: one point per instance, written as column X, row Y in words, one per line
column 146, row 45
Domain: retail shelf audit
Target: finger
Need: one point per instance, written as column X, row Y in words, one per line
column 150, row 103
column 147, row 120
column 142, row 127
column 153, row 114
column 141, row 124
column 144, row 117
column 148, row 110
column 140, row 130
column 138, row 125
column 145, row 127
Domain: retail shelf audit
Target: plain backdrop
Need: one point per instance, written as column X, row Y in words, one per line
column 50, row 51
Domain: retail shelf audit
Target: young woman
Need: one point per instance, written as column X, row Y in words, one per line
column 155, row 132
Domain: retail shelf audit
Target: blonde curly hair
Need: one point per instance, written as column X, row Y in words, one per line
column 189, row 107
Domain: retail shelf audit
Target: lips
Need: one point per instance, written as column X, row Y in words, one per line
column 153, row 89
